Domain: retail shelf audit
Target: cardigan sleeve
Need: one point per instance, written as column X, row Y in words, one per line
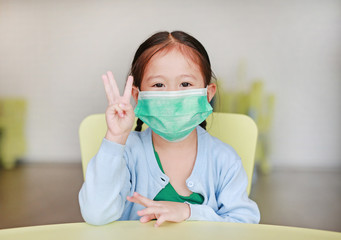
column 107, row 183
column 233, row 204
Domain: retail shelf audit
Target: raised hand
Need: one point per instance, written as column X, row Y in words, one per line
column 160, row 210
column 119, row 114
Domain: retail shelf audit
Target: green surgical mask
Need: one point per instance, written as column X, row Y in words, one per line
column 173, row 114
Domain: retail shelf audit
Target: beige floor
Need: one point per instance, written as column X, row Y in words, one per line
column 38, row 194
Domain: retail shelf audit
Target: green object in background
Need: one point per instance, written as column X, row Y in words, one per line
column 12, row 131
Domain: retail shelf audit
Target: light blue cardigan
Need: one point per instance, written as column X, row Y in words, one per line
column 119, row 170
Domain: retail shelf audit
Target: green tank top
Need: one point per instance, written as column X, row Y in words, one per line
column 169, row 194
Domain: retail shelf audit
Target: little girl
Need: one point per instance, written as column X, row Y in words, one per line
column 174, row 170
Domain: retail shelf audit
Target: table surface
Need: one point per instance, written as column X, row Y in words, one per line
column 185, row 230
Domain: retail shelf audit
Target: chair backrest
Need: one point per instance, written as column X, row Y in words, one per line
column 238, row 130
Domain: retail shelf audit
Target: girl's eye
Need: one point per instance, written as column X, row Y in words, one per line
column 158, row 85
column 185, row 84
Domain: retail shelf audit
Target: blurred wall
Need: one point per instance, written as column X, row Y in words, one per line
column 54, row 52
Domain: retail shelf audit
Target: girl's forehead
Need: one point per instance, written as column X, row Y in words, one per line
column 173, row 57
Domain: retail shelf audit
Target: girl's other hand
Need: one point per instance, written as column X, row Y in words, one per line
column 160, row 210
column 119, row 114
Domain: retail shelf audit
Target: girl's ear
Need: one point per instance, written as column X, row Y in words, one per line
column 135, row 93
column 211, row 89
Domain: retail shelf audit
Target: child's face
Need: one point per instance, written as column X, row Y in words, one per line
column 172, row 71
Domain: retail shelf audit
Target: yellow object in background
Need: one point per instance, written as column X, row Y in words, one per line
column 12, row 131
column 258, row 106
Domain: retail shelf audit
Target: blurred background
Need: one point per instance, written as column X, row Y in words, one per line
column 278, row 61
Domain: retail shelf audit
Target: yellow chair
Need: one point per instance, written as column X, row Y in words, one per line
column 238, row 130
column 12, row 131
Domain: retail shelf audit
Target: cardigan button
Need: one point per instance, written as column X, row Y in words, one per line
column 190, row 184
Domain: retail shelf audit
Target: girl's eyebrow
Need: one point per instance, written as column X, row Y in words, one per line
column 159, row 76
column 150, row 78
column 186, row 76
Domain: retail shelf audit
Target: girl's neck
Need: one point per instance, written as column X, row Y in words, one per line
column 160, row 143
